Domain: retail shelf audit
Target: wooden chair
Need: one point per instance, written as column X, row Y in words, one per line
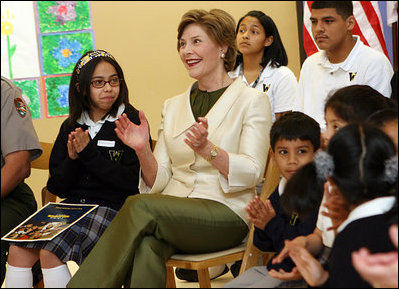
column 246, row 252
column 42, row 163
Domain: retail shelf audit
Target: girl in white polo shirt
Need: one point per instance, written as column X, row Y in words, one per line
column 262, row 60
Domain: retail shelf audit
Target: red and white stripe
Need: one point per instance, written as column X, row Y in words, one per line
column 368, row 26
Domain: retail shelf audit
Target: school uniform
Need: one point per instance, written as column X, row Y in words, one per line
column 17, row 133
column 271, row 239
column 366, row 226
column 106, row 172
column 320, row 78
column 279, row 83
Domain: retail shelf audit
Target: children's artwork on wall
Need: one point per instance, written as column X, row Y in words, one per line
column 30, row 93
column 19, row 50
column 41, row 41
column 57, row 16
column 56, row 95
column 60, row 52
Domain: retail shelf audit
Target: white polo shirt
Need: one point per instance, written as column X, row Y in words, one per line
column 320, row 78
column 280, row 84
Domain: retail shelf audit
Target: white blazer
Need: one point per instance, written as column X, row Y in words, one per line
column 239, row 123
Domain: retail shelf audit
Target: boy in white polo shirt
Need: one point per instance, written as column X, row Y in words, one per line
column 343, row 60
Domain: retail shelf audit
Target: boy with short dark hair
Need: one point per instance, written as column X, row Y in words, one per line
column 294, row 139
column 343, row 59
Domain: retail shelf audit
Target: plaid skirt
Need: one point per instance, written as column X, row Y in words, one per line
column 75, row 243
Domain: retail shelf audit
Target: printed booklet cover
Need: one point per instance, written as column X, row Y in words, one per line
column 48, row 222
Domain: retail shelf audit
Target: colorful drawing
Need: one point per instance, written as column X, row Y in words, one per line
column 56, row 16
column 41, row 41
column 60, row 52
column 19, row 49
column 31, row 95
column 7, row 28
column 56, row 90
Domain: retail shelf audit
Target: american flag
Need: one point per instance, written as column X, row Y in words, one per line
column 368, row 26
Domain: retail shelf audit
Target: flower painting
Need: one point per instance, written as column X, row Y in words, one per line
column 19, row 49
column 60, row 52
column 57, row 89
column 41, row 41
column 57, row 16
column 30, row 93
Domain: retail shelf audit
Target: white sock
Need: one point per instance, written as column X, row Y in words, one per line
column 57, row 277
column 18, row 277
column 215, row 271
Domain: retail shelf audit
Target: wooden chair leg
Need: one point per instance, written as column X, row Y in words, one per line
column 170, row 277
column 203, row 278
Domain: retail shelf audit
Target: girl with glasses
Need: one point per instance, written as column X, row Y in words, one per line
column 89, row 164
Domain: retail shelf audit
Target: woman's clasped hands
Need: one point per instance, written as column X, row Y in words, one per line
column 197, row 136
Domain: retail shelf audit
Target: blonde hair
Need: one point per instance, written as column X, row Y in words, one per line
column 218, row 25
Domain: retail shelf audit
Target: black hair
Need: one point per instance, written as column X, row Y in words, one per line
column 355, row 103
column 303, row 192
column 275, row 52
column 79, row 87
column 359, row 152
column 343, row 8
column 295, row 125
column 383, row 116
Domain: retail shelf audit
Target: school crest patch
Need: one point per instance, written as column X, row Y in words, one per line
column 20, row 106
column 115, row 155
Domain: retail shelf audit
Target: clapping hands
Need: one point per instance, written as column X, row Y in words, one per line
column 77, row 141
column 260, row 213
column 132, row 135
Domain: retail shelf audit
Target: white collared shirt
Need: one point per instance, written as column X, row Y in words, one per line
column 280, row 85
column 320, row 78
column 94, row 127
column 281, row 185
column 370, row 208
column 323, row 223
column 374, row 207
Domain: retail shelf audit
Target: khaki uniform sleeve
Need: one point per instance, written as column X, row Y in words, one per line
column 17, row 131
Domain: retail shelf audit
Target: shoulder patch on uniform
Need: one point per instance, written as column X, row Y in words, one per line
column 20, row 106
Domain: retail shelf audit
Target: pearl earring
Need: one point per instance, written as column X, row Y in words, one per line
column 222, row 55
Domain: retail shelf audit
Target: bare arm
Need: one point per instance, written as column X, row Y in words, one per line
column 14, row 171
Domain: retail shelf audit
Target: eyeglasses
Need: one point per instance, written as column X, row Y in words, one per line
column 101, row 83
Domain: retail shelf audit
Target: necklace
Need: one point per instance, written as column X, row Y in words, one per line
column 257, row 79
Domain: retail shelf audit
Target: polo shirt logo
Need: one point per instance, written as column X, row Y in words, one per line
column 352, row 75
column 266, row 87
column 115, row 155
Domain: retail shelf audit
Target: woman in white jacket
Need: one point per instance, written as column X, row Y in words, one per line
column 211, row 152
